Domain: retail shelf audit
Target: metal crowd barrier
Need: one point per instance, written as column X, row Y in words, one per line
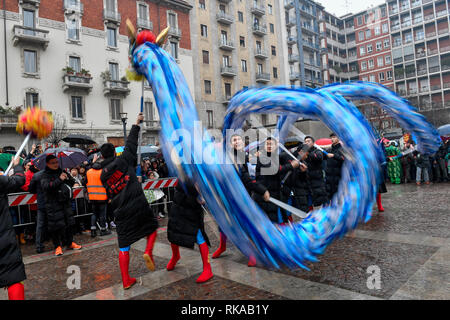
column 23, row 205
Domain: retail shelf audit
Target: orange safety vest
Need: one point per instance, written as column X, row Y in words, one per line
column 95, row 189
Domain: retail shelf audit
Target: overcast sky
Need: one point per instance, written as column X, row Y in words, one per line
column 342, row 7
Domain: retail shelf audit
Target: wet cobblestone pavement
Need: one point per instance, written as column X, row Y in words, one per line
column 409, row 243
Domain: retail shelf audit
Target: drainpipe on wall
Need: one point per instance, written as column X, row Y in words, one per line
column 6, row 53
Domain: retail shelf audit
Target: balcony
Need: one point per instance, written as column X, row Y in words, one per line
column 258, row 10
column 294, row 76
column 393, row 10
column 309, row 28
column 406, row 24
column 431, row 34
column 8, row 120
column 26, row 35
column 228, row 71
column 420, row 37
column 226, row 98
column 417, row 21
column 71, row 6
column 412, row 91
column 395, row 27
column 144, row 24
column 293, row 58
column 152, row 125
column 424, row 89
column 421, row 71
column 445, row 67
column 226, row 45
column 174, row 32
column 434, row 69
column 259, row 30
column 420, row 54
column 441, row 13
column 224, row 18
column 409, row 57
column 118, row 87
column 411, row 74
column 261, row 54
column 263, row 77
column 444, row 49
column 291, row 40
column 35, row 3
column 416, row 4
column 432, row 51
column 443, row 31
column 436, row 87
column 446, row 85
column 291, row 22
column 111, row 16
column 77, row 82
column 428, row 17
column 311, row 45
column 307, row 11
column 225, row 1
column 288, row 4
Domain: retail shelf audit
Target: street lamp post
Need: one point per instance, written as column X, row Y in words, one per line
column 123, row 117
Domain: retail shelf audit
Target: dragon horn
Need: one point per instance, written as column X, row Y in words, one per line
column 162, row 37
column 131, row 31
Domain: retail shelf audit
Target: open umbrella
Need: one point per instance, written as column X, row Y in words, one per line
column 292, row 142
column 68, row 157
column 444, row 130
column 78, row 139
column 5, row 159
column 324, row 142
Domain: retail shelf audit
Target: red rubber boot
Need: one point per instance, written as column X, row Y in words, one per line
column 124, row 261
column 16, row 292
column 379, row 205
column 222, row 246
column 207, row 273
column 148, row 254
column 175, row 257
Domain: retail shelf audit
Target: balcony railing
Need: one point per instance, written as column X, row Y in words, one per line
column 152, row 124
column 421, row 71
column 435, row 87
column 310, row 44
column 116, row 87
column 291, row 40
column 446, row 85
column 432, row 51
column 32, row 2
column 424, row 89
column 415, row 4
column 77, row 82
column 291, row 22
column 224, row 18
column 174, row 32
column 395, row 27
column 393, row 10
column 8, row 120
column 261, row 54
column 294, row 76
column 226, row 45
column 73, row 6
column 262, row 77
column 111, row 16
column 228, row 71
column 418, row 20
column 433, row 69
column 258, row 10
column 441, row 13
column 144, row 24
column 288, row 4
column 293, row 58
column 445, row 67
column 443, row 31
column 409, row 57
column 428, row 17
column 30, row 35
column 226, row 98
column 259, row 30
column 420, row 54
column 431, row 34
column 445, row 49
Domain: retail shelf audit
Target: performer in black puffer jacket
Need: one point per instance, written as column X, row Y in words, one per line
column 12, row 269
column 334, row 165
column 133, row 217
column 270, row 168
column 315, row 174
column 56, row 186
column 300, row 180
column 186, row 227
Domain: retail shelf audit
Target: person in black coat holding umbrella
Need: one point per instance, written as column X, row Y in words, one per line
column 334, row 165
column 12, row 269
column 133, row 217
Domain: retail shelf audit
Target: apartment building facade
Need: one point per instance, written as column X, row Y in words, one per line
column 237, row 46
column 70, row 57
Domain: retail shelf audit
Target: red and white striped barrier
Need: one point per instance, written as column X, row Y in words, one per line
column 25, row 198
column 160, row 183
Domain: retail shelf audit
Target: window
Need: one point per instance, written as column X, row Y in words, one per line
column 371, row 65
column 143, row 12
column 73, row 32
column 204, row 30
column 372, row 78
column 258, row 46
column 29, row 21
column 228, row 90
column 112, row 40
column 224, row 37
column 365, row 78
column 379, row 46
column 387, row 59
column 77, row 107
column 363, row 65
column 380, row 61
column 31, row 99
column 114, row 71
column 359, row 20
column 75, row 63
column 202, row 4
column 274, row 51
column 226, row 61
column 174, row 49
column 260, row 68
column 210, row 118
column 381, row 76
column 362, row 50
column 377, row 30
column 222, row 8
column 361, row 36
column 272, row 28
column 205, row 56
column 270, row 9
column 207, row 86
column 240, row 16
column 148, row 111
column 389, row 75
column 385, row 27
column 383, row 12
column 115, row 109
column 369, row 48
column 275, row 73
column 264, row 119
column 242, row 41
column 386, row 43
column 111, row 5
column 368, row 33
column 30, row 61
column 173, row 21
column 244, row 65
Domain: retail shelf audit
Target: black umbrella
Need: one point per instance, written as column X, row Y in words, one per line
column 292, row 142
column 78, row 139
column 68, row 157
